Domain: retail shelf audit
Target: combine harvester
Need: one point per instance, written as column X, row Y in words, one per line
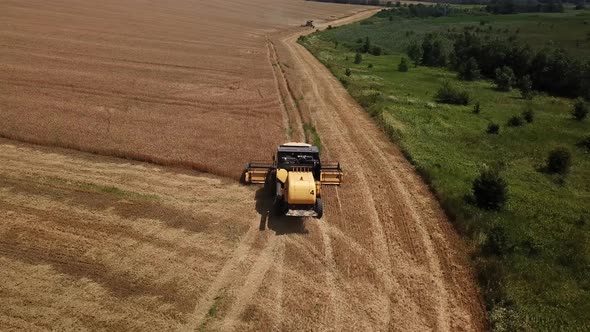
column 295, row 178
column 308, row 24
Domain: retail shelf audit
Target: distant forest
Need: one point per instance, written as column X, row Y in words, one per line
column 496, row 6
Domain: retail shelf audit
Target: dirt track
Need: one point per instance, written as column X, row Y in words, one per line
column 178, row 250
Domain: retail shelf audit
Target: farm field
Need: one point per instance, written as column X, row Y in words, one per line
column 532, row 256
column 93, row 241
column 147, row 80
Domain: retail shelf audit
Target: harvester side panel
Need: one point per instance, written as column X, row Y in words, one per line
column 257, row 172
column 331, row 173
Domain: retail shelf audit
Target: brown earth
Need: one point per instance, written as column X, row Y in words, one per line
column 91, row 242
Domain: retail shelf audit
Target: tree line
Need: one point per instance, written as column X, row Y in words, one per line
column 510, row 62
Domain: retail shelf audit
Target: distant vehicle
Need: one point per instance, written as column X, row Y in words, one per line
column 308, row 24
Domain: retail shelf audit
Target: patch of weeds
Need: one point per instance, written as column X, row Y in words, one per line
column 311, row 134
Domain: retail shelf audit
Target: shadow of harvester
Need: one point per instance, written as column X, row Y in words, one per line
column 280, row 224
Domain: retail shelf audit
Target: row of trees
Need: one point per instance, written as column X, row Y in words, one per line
column 509, row 62
column 524, row 6
column 420, row 10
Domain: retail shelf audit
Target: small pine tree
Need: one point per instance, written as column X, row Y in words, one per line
column 505, row 78
column 528, row 116
column 415, row 53
column 403, row 65
column 526, row 87
column 559, row 161
column 515, row 121
column 347, row 72
column 366, row 46
column 490, row 190
column 469, row 71
column 580, row 111
column 476, row 108
column 358, row 58
column 376, row 50
column 493, row 129
column 585, row 143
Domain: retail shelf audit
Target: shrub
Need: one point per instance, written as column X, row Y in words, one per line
column 528, row 115
column 344, row 82
column 526, row 87
column 347, row 72
column 490, row 190
column 585, row 143
column 366, row 46
column 376, row 50
column 559, row 161
column 515, row 121
column 358, row 58
column 415, row 53
column 493, row 128
column 580, row 111
column 403, row 65
column 476, row 108
column 469, row 70
column 505, row 78
column 370, row 66
column 450, row 94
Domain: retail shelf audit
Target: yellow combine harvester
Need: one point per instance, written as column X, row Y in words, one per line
column 295, row 178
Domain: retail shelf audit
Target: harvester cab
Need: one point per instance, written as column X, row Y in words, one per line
column 295, row 177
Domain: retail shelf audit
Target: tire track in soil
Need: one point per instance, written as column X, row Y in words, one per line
column 223, row 279
column 293, row 118
column 253, row 282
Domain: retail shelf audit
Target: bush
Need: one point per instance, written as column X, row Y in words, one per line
column 515, row 121
column 526, row 87
column 528, row 116
column 358, row 58
column 348, row 72
column 585, row 143
column 370, row 66
column 559, row 161
column 469, row 70
column 476, row 108
column 415, row 53
column 490, row 190
column 403, row 65
column 580, row 111
column 450, row 94
column 376, row 50
column 493, row 128
column 505, row 78
column 366, row 46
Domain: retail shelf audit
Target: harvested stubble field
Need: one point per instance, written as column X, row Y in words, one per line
column 99, row 243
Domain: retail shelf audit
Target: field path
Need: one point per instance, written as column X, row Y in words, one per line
column 384, row 207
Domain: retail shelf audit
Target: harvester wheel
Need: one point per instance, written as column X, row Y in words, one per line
column 319, row 208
